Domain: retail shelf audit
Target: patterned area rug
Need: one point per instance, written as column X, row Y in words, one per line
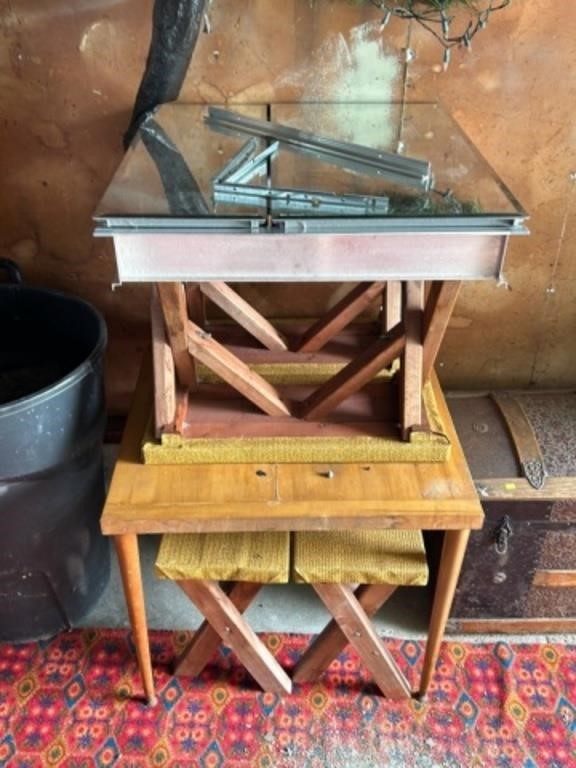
column 73, row 701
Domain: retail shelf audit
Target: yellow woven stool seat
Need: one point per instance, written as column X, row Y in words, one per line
column 428, row 446
column 263, row 558
column 360, row 557
column 378, row 562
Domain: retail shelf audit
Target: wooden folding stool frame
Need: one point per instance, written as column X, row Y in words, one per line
column 354, row 609
column 222, row 607
column 224, row 623
column 413, row 322
column 382, row 561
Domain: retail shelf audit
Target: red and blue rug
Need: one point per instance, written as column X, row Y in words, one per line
column 74, row 702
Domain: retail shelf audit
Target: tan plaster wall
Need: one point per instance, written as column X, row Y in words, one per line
column 68, row 77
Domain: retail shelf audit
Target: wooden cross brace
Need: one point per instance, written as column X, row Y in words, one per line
column 412, row 328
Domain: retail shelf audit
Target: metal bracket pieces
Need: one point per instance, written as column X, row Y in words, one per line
column 253, row 166
column 284, row 199
column 354, row 157
column 236, row 161
column 230, row 186
column 243, row 166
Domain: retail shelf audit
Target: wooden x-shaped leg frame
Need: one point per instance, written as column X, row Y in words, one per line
column 224, row 623
column 351, row 624
column 412, row 329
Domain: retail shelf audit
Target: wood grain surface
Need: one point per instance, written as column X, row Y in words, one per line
column 154, row 499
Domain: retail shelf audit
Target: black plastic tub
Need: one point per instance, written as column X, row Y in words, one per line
column 54, row 563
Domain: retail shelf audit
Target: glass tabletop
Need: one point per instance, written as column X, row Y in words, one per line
column 300, row 168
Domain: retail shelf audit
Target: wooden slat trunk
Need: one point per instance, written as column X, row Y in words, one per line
column 519, row 574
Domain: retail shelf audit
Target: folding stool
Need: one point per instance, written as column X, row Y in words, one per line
column 377, row 561
column 198, row 562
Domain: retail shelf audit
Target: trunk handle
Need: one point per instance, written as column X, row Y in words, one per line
column 523, row 437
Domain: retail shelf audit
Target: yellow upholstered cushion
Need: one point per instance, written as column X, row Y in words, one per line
column 293, row 373
column 360, row 557
column 263, row 558
column 433, row 446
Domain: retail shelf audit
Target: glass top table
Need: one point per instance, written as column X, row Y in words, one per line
column 306, row 192
column 391, row 197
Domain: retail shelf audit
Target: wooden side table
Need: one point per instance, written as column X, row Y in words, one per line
column 408, row 249
column 147, row 499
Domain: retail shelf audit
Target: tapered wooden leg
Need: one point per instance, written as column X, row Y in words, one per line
column 206, row 640
column 129, row 560
column 342, row 604
column 214, row 603
column 331, row 641
column 453, row 551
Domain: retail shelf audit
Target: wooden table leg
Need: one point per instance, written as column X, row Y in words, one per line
column 129, row 559
column 453, row 551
